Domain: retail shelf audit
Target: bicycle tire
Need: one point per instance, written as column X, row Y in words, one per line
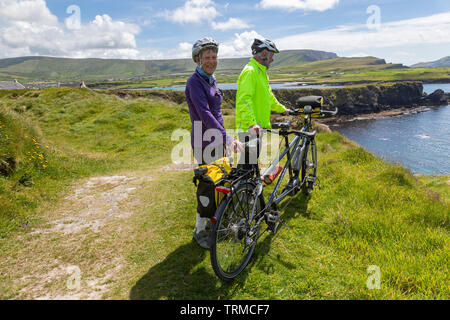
column 233, row 231
column 309, row 167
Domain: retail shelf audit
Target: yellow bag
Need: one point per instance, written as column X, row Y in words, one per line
column 206, row 177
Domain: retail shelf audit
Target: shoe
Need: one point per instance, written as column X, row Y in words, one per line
column 209, row 225
column 202, row 238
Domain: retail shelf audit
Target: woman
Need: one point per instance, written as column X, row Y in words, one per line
column 208, row 135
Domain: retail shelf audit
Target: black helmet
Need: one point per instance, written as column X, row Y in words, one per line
column 259, row 45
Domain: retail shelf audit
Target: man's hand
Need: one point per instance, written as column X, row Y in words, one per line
column 255, row 129
column 237, row 146
column 234, row 147
column 287, row 112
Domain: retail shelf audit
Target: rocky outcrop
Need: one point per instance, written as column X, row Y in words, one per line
column 372, row 98
column 365, row 99
column 369, row 98
column 438, row 97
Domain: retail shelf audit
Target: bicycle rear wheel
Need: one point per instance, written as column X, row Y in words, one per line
column 234, row 237
column 309, row 167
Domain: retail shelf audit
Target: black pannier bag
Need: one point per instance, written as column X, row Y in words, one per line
column 205, row 179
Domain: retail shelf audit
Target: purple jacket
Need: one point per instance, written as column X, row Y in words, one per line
column 204, row 102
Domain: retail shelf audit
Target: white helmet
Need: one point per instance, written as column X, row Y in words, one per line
column 204, row 43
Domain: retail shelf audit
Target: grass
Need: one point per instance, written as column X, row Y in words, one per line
column 86, row 133
column 438, row 186
column 368, row 212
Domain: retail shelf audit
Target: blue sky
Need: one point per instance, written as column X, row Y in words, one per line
column 399, row 31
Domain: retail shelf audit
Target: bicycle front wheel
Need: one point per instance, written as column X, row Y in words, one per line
column 234, row 236
column 309, row 167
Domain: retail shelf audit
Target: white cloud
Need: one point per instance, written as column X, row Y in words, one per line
column 38, row 32
column 307, row 5
column 183, row 50
column 193, row 11
column 240, row 45
column 28, row 11
column 423, row 31
column 230, row 24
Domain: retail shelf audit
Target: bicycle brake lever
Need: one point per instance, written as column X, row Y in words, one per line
column 333, row 113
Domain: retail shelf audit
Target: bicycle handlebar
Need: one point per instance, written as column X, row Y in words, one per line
column 297, row 112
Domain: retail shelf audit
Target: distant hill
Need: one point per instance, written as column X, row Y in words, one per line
column 343, row 64
column 65, row 69
column 443, row 62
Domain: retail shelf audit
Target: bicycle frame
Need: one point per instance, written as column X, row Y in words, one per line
column 300, row 141
column 297, row 142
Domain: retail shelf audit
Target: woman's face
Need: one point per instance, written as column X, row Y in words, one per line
column 209, row 61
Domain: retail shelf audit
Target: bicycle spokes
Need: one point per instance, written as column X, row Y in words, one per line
column 235, row 235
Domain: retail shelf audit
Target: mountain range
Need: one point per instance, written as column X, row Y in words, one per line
column 51, row 69
column 443, row 62
column 40, row 68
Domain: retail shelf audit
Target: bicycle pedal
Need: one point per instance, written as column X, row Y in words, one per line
column 273, row 216
column 272, row 220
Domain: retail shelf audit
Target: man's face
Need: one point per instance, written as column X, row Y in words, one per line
column 209, row 61
column 267, row 58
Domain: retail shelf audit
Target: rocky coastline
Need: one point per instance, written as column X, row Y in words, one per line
column 370, row 99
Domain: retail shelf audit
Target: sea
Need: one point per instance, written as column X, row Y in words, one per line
column 419, row 141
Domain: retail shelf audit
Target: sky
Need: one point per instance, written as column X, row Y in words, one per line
column 399, row 31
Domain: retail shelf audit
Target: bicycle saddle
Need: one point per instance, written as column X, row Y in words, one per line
column 281, row 125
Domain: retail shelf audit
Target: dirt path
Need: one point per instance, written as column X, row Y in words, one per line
column 76, row 254
column 79, row 251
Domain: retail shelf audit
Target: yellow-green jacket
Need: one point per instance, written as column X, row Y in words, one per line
column 254, row 97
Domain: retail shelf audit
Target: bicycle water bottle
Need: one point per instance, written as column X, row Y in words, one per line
column 272, row 174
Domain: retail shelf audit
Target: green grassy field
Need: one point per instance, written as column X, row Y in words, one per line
column 367, row 213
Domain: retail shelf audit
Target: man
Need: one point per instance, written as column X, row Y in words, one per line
column 254, row 97
column 204, row 100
